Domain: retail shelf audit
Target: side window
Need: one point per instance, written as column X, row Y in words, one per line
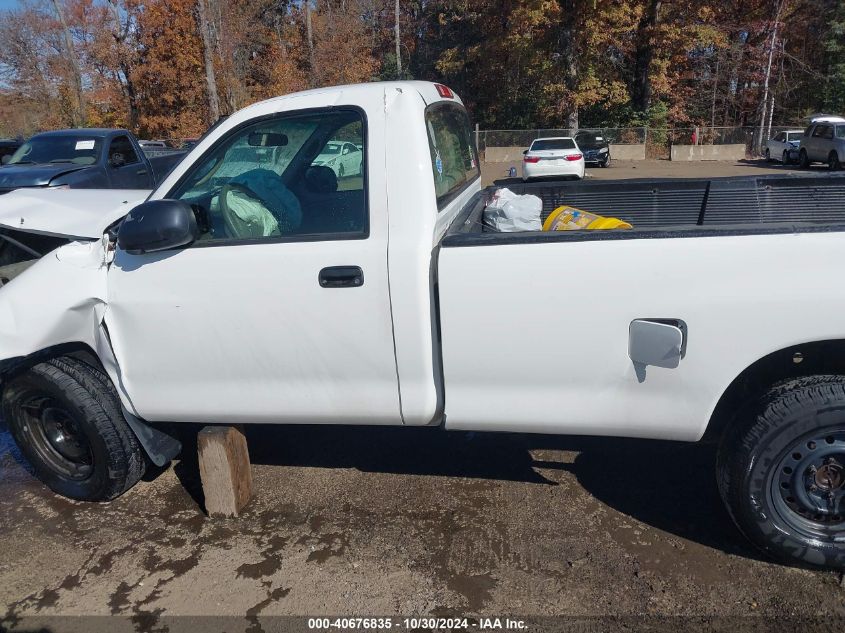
column 840, row 131
column 781, row 137
column 828, row 131
column 121, row 152
column 808, row 131
column 454, row 158
column 337, row 155
column 281, row 178
column 819, row 131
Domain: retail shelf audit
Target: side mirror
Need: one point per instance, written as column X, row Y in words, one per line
column 5, row 159
column 117, row 160
column 525, row 151
column 158, row 225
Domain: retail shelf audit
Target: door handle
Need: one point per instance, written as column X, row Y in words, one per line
column 342, row 277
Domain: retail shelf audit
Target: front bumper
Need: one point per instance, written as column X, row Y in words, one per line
column 595, row 157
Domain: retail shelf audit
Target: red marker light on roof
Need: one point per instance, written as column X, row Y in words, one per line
column 444, row 92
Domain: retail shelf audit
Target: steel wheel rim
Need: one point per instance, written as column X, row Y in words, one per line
column 807, row 485
column 57, row 437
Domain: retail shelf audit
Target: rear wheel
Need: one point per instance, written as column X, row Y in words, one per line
column 781, row 472
column 768, row 156
column 785, row 159
column 803, row 159
column 65, row 416
column 833, row 162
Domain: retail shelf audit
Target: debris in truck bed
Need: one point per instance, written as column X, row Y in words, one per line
column 508, row 212
column 568, row 218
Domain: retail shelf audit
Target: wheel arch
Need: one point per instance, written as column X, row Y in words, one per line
column 795, row 361
column 159, row 446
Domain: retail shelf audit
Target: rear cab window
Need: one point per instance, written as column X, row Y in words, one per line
column 454, row 157
column 544, row 144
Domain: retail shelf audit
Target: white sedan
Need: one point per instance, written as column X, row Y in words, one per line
column 547, row 157
column 784, row 146
column 344, row 158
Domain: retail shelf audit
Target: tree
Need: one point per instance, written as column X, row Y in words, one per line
column 208, row 54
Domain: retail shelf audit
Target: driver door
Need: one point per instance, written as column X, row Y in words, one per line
column 291, row 325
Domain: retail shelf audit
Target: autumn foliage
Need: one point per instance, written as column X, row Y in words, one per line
column 168, row 68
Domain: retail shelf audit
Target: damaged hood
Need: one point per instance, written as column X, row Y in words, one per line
column 73, row 213
column 28, row 175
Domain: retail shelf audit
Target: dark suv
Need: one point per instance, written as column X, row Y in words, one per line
column 595, row 147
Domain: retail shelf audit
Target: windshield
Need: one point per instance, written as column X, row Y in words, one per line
column 590, row 138
column 79, row 150
column 331, row 149
column 552, row 143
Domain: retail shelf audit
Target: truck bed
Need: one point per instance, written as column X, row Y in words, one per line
column 535, row 325
column 678, row 206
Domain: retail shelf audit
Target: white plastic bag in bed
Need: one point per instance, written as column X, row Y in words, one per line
column 509, row 212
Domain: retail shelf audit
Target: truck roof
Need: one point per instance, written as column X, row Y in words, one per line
column 88, row 131
column 428, row 90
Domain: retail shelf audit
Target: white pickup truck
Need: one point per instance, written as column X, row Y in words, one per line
column 254, row 286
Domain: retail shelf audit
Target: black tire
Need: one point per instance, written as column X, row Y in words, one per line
column 833, row 162
column 66, row 418
column 606, row 162
column 768, row 156
column 781, row 472
column 785, row 158
column 803, row 159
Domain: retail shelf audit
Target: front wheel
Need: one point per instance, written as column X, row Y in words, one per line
column 768, row 156
column 804, row 159
column 833, row 162
column 781, row 472
column 606, row 162
column 785, row 159
column 66, row 418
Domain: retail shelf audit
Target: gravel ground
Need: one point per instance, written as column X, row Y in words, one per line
column 498, row 172
column 364, row 521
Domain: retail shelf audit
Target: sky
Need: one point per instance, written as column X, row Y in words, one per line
column 8, row 4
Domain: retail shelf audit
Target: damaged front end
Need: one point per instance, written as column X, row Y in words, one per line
column 53, row 300
column 19, row 250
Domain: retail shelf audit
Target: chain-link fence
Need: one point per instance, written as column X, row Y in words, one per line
column 657, row 141
column 523, row 138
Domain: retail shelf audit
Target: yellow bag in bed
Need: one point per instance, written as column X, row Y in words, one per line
column 567, row 218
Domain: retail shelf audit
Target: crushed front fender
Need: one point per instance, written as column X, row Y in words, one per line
column 60, row 299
